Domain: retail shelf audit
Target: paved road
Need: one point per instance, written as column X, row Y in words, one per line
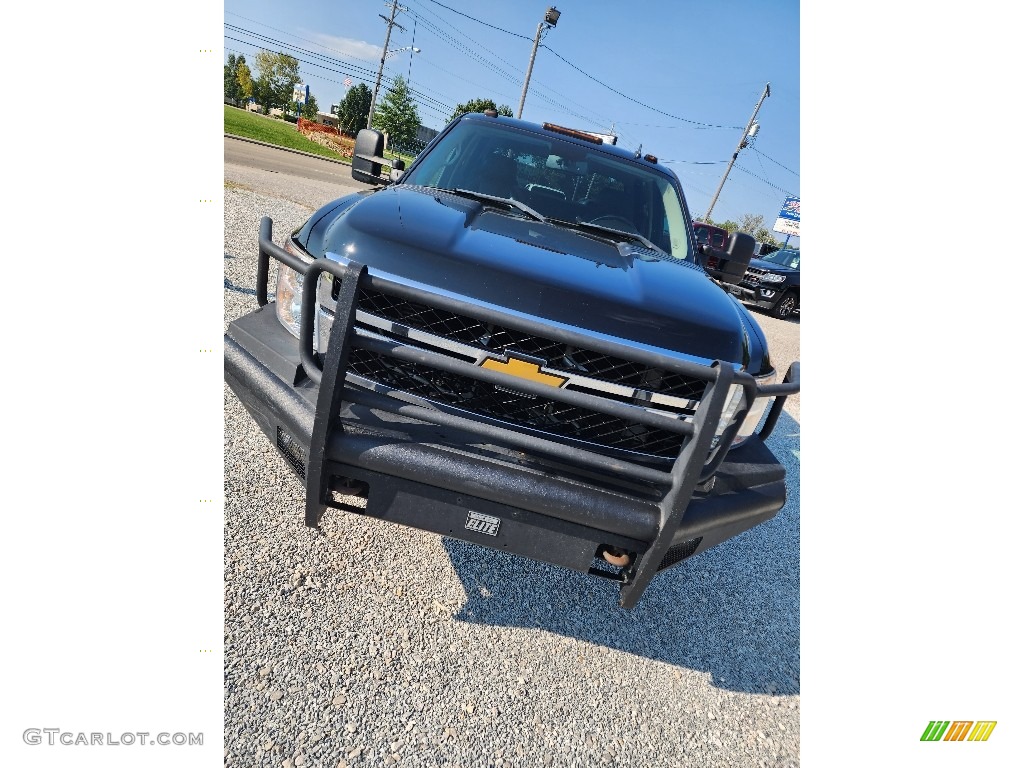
column 370, row 644
column 256, row 156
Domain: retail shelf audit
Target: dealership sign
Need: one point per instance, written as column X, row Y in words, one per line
column 788, row 222
column 300, row 93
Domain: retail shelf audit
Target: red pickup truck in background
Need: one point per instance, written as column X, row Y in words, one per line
column 714, row 247
column 709, row 234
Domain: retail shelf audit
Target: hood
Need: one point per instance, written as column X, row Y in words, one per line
column 461, row 247
column 772, row 267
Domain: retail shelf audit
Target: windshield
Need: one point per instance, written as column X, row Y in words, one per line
column 785, row 258
column 558, row 179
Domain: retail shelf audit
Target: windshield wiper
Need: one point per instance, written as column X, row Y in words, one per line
column 586, row 225
column 509, row 201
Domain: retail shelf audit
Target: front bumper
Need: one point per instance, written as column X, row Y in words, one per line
column 490, row 485
column 764, row 296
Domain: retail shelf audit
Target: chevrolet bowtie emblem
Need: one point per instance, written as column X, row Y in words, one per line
column 524, row 370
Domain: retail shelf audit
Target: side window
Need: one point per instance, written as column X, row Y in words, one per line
column 674, row 239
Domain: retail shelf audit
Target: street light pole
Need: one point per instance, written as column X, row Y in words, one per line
column 383, row 55
column 529, row 70
column 743, row 142
column 550, row 20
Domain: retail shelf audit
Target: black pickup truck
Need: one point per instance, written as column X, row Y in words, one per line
column 514, row 343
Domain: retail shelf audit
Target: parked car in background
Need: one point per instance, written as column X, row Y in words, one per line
column 772, row 282
column 709, row 234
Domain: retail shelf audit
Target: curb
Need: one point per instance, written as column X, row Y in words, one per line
column 285, row 149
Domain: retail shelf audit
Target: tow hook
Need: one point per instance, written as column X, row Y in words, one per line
column 615, row 556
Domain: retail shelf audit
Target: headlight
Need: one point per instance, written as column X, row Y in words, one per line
column 289, row 291
column 753, row 417
column 728, row 411
column 737, row 398
column 770, row 278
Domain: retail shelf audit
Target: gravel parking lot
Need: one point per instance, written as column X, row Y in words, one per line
column 368, row 644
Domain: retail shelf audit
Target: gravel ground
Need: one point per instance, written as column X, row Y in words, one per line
column 368, row 644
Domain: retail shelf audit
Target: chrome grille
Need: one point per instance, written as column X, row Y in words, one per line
column 445, row 331
column 558, row 356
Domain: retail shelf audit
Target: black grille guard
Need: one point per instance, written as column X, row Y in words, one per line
column 696, row 462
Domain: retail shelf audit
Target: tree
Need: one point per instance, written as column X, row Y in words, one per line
column 750, row 222
column 279, row 74
column 310, row 108
column 354, row 109
column 262, row 93
column 770, row 243
column 232, row 90
column 480, row 105
column 397, row 115
column 244, row 78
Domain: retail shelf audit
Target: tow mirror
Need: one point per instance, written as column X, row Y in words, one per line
column 368, row 159
column 730, row 265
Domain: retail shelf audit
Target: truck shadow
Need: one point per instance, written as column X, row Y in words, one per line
column 230, row 286
column 794, row 318
column 733, row 611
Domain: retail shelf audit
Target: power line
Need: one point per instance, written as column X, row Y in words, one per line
column 354, row 69
column 780, row 189
column 290, row 34
column 466, row 15
column 459, row 46
column 749, row 131
column 282, row 44
column 472, row 42
column 446, row 38
column 761, row 163
column 695, row 162
column 667, row 127
column 635, row 101
column 448, row 72
column 321, row 77
column 559, row 100
column 762, row 154
column 422, row 100
column 691, row 186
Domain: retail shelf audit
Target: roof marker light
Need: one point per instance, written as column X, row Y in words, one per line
column 575, row 134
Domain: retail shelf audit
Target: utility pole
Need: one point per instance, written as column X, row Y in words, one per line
column 741, row 145
column 395, row 8
column 550, row 20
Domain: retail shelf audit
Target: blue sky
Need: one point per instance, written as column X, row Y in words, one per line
column 681, row 79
